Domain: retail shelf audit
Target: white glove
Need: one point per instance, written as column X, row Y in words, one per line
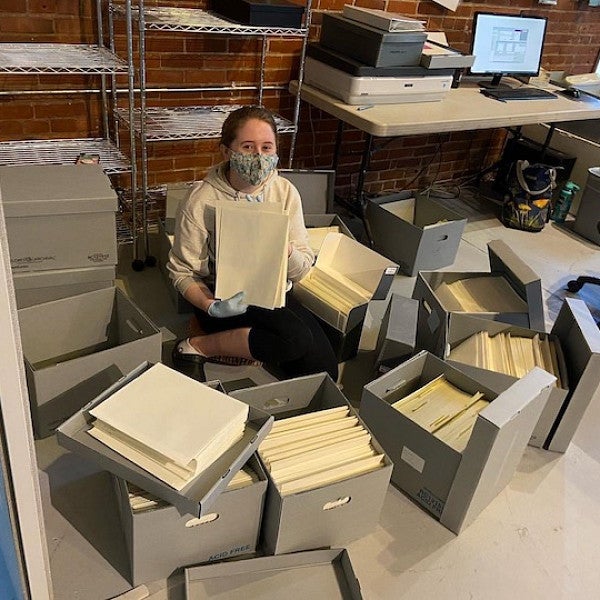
column 221, row 309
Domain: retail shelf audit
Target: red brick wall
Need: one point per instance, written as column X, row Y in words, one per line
column 174, row 60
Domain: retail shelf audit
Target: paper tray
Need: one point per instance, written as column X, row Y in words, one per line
column 315, row 574
column 199, row 495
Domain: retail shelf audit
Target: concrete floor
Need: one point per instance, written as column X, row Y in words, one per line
column 537, row 539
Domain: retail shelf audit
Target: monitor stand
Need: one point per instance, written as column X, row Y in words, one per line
column 494, row 84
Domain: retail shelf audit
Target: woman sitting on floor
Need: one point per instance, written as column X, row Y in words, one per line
column 289, row 339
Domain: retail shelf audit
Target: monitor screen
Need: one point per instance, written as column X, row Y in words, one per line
column 507, row 44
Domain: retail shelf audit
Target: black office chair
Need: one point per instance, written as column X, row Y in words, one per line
column 576, row 284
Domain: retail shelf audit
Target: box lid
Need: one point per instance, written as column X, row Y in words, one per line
column 313, row 574
column 199, row 495
column 36, row 190
column 366, row 31
column 356, row 262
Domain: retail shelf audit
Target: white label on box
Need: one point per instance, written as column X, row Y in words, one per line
column 391, row 271
column 414, row 460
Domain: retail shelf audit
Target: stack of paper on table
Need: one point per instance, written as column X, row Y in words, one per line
column 382, row 19
column 338, row 293
column 141, row 500
column 169, row 424
column 489, row 293
column 442, row 409
column 316, row 449
column 316, row 236
column 509, row 354
column 252, row 252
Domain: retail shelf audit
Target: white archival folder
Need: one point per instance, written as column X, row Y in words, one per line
column 251, row 252
column 169, row 424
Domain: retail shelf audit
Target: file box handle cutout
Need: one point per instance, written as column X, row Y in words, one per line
column 209, row 518
column 274, row 403
column 336, row 503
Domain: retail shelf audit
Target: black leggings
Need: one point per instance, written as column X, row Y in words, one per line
column 288, row 338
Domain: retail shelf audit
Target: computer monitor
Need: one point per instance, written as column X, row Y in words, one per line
column 507, row 45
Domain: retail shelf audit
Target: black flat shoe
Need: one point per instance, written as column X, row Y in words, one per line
column 184, row 353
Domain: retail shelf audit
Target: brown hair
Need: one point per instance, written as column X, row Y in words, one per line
column 239, row 117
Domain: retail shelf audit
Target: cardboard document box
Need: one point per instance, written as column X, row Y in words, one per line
column 200, row 494
column 454, row 486
column 332, row 514
column 70, row 340
column 59, row 217
column 462, row 327
column 370, row 45
column 316, row 574
column 416, row 232
column 578, row 341
column 360, row 275
column 316, row 189
column 37, row 287
column 262, row 13
column 176, row 192
column 160, row 540
column 520, row 303
column 166, row 231
column 397, row 334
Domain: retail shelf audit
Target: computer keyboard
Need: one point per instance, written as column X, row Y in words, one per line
column 522, row 93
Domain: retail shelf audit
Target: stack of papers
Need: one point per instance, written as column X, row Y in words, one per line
column 168, row 424
column 381, row 19
column 141, row 500
column 335, row 293
column 487, row 293
column 442, row 409
column 319, row 448
column 251, row 252
column 509, row 354
column 316, row 236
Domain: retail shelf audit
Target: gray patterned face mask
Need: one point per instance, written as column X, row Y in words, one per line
column 253, row 168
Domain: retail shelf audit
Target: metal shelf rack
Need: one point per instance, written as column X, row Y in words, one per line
column 188, row 122
column 150, row 124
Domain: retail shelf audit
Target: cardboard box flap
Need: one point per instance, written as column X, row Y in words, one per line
column 495, row 448
column 580, row 340
column 577, row 329
column 316, row 188
column 313, row 574
column 524, row 280
column 55, row 277
column 199, row 495
column 355, row 261
column 398, row 331
column 35, row 190
column 176, row 193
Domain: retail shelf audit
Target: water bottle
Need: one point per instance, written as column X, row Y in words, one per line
column 563, row 204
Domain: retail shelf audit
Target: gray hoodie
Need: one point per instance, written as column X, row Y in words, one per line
column 192, row 255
